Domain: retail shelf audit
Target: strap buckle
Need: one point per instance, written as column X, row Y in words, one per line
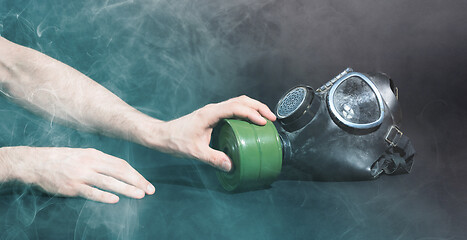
column 393, row 136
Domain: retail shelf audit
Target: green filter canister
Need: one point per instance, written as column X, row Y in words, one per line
column 255, row 151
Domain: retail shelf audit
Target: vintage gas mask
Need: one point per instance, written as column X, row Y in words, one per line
column 348, row 129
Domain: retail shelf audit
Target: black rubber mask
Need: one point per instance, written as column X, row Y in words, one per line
column 348, row 129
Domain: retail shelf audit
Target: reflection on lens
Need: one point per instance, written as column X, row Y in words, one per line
column 348, row 113
column 356, row 102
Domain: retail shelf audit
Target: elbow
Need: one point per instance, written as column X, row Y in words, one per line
column 10, row 55
column 6, row 76
column 6, row 60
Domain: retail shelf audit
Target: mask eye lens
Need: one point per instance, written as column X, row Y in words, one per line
column 356, row 102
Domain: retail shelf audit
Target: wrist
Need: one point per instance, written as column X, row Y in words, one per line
column 153, row 133
column 12, row 164
column 8, row 169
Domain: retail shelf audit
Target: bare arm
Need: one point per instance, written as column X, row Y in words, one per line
column 60, row 93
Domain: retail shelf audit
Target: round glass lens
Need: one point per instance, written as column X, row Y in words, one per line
column 356, row 102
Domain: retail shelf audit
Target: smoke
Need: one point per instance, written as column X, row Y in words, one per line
column 165, row 58
column 168, row 58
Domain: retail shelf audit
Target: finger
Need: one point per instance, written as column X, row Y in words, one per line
column 121, row 170
column 217, row 159
column 111, row 184
column 97, row 195
column 262, row 108
column 240, row 111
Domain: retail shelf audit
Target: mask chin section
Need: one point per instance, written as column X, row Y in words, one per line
column 297, row 108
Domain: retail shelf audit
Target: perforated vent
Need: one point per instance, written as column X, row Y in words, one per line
column 291, row 102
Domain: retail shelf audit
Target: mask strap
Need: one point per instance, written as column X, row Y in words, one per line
column 383, row 83
column 398, row 157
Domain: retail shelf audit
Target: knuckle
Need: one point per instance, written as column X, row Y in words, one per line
column 70, row 189
column 214, row 160
column 93, row 150
column 99, row 180
column 86, row 175
column 86, row 193
column 91, row 153
column 132, row 178
column 200, row 113
column 101, row 195
column 123, row 172
column 122, row 164
column 248, row 100
column 255, row 113
column 263, row 105
column 211, row 162
column 141, row 183
column 74, row 192
column 208, row 160
column 250, row 113
column 83, row 161
column 128, row 189
column 236, row 107
column 209, row 106
column 128, row 172
column 127, row 165
column 95, row 194
column 203, row 111
column 233, row 100
column 201, row 154
column 76, row 174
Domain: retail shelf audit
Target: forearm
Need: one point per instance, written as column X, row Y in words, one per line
column 61, row 93
column 5, row 167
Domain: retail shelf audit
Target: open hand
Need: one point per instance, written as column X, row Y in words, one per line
column 72, row 172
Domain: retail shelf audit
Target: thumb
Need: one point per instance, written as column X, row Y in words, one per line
column 218, row 159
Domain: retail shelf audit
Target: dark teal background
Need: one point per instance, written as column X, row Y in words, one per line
column 168, row 58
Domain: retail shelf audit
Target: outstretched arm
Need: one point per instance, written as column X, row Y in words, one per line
column 59, row 92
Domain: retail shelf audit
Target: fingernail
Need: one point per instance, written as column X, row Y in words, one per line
column 273, row 117
column 140, row 193
column 114, row 199
column 151, row 189
column 226, row 166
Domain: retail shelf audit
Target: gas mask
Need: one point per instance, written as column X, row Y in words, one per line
column 346, row 130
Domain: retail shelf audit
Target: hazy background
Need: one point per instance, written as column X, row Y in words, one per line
column 168, row 58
